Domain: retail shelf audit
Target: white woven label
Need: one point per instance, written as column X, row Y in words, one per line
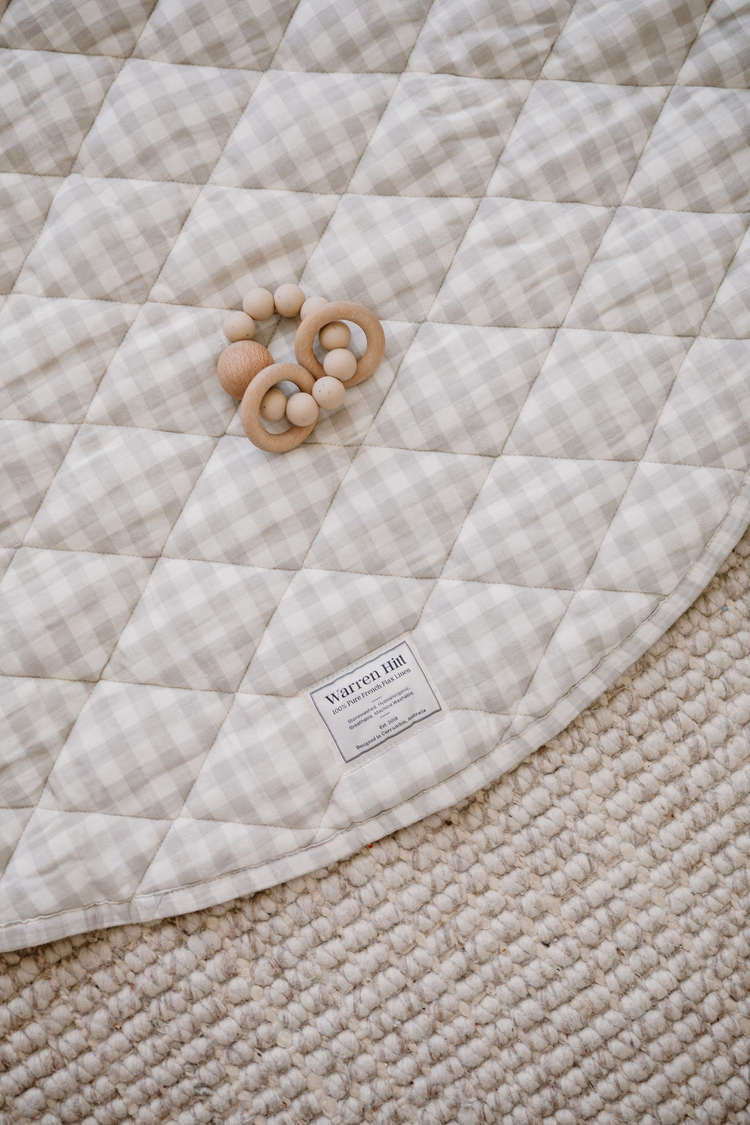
column 381, row 699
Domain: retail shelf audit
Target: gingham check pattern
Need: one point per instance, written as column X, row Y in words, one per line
column 546, row 203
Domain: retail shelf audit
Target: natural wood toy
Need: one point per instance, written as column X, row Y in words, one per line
column 247, row 371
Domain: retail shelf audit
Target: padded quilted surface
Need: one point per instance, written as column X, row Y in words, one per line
column 547, row 203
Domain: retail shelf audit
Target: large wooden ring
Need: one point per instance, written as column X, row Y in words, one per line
column 341, row 310
column 250, row 408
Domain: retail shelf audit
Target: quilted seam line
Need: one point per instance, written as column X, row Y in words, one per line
column 518, row 740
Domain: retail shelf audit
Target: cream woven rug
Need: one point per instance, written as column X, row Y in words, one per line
column 571, row 944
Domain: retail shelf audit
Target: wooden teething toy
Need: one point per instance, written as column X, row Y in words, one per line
column 247, row 370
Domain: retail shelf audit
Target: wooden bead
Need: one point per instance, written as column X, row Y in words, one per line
column 340, row 364
column 239, row 364
column 311, row 304
column 258, row 303
column 253, row 396
column 341, row 310
column 329, row 392
column 239, row 326
column 302, row 409
column 335, row 335
column 273, row 405
column 288, row 300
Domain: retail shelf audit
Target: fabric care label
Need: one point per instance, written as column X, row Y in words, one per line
column 381, row 699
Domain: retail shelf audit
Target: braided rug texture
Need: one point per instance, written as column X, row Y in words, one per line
column 570, row 944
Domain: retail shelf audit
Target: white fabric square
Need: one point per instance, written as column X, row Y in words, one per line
column 729, row 315
column 520, row 263
column 105, row 239
column 163, row 376
column 720, row 56
column 255, row 508
column 61, row 612
column 119, row 490
column 662, row 524
column 83, row 26
column 66, row 92
column 577, row 142
column 440, row 135
column 598, row 394
column 24, row 202
column 108, row 764
column 397, row 511
column 53, row 354
column 697, row 158
column 304, row 132
column 538, row 521
column 470, row 412
column 639, row 43
column 222, row 33
column 32, row 454
column 326, row 620
column 164, row 122
column 367, row 36
column 389, row 254
column 237, row 238
column 196, row 625
column 482, row 39
column 656, row 271
column 705, row 420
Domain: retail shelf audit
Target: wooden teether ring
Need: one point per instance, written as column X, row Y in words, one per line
column 250, row 408
column 341, row 310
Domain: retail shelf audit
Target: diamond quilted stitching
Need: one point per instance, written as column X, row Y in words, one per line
column 24, row 201
column 35, row 719
column 62, row 612
column 53, row 354
column 105, row 239
column 481, row 39
column 65, row 91
column 720, row 56
column 440, row 135
column 32, row 453
column 538, row 521
column 84, row 26
column 468, row 413
column 697, row 158
column 196, row 625
column 119, row 490
column 598, row 395
column 656, row 271
column 367, row 36
column 520, row 263
column 108, row 764
column 283, row 775
column 729, row 314
column 304, row 132
column 164, row 122
column 403, row 248
column 253, row 508
column 662, row 524
column 577, row 141
column 222, row 33
column 326, row 619
column 396, row 512
column 12, row 825
column 705, row 420
column 643, row 42
column 237, row 237
column 457, row 638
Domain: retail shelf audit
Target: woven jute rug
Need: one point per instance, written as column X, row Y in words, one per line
column 571, row 944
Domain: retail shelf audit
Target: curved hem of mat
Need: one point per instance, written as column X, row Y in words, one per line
column 469, row 778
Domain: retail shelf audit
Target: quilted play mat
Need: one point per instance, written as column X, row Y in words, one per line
column 223, row 667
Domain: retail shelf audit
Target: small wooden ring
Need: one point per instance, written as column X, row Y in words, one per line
column 250, row 407
column 341, row 310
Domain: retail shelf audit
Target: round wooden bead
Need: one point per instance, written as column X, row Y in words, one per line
column 288, row 299
column 341, row 310
column 253, row 396
column 258, row 303
column 238, row 365
column 335, row 335
column 302, row 409
column 239, row 326
column 329, row 392
column 311, row 304
column 340, row 364
column 273, row 405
